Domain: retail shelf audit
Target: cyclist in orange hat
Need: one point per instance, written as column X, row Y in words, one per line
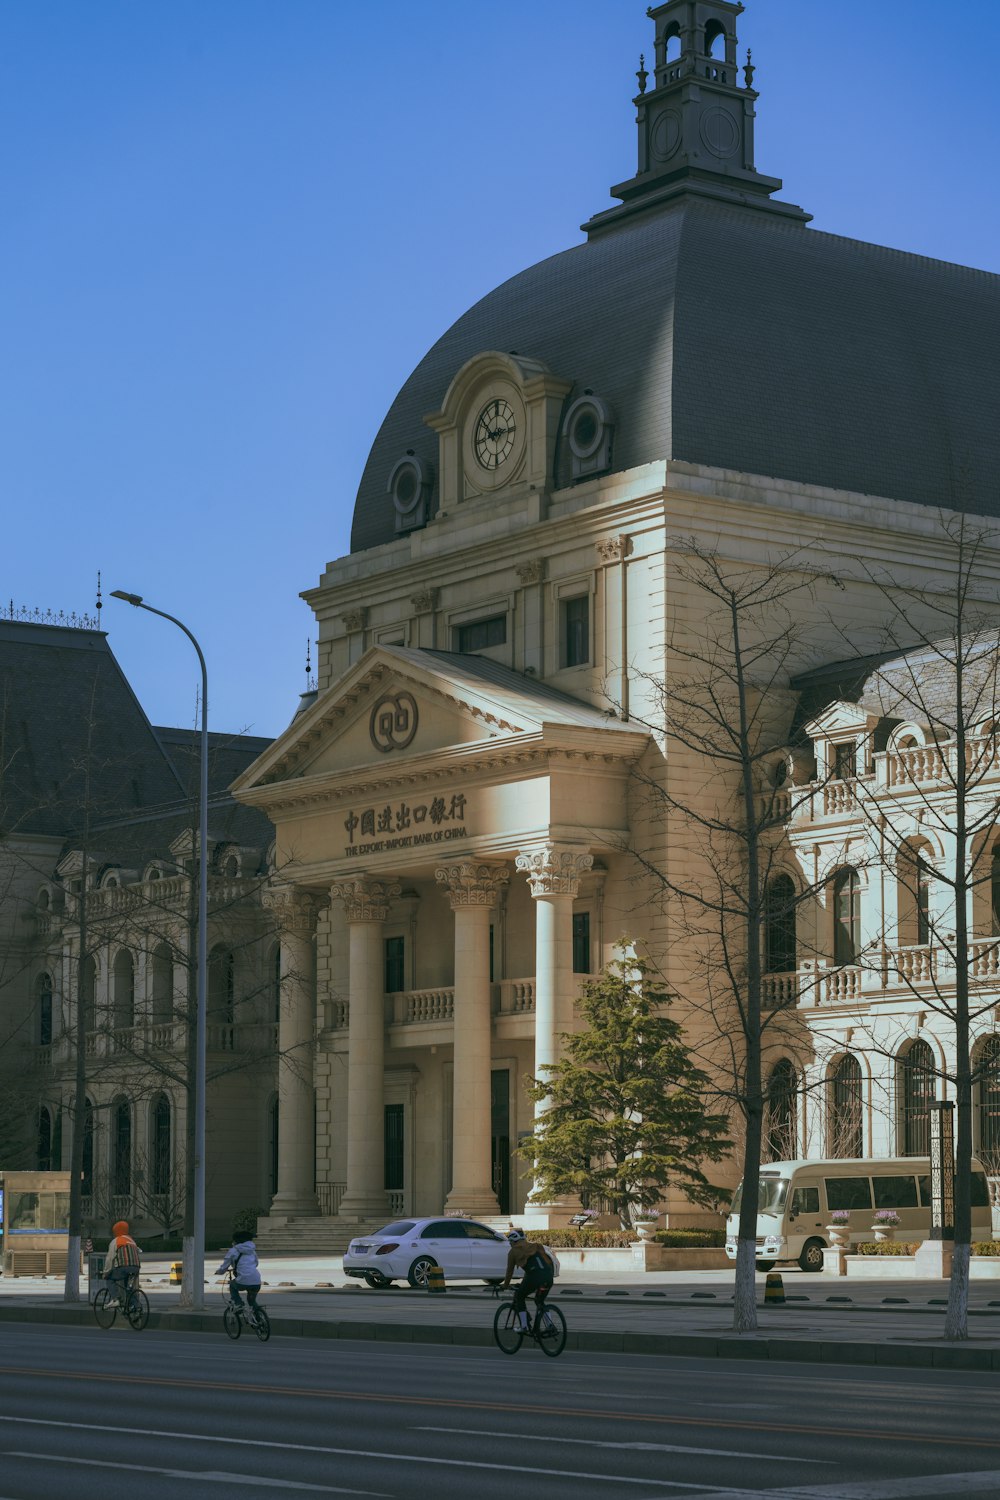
column 121, row 1264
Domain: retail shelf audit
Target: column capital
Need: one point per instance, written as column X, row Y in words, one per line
column 554, row 869
column 472, row 884
column 365, row 900
column 295, row 907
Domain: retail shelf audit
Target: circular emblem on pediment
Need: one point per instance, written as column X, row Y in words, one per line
column 393, row 722
column 720, row 132
column 665, row 136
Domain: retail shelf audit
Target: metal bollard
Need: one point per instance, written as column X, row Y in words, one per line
column 435, row 1279
column 774, row 1289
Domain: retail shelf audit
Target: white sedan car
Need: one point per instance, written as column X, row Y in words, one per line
column 408, row 1248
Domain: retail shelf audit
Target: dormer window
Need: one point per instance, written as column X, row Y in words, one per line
column 480, row 635
column 845, row 761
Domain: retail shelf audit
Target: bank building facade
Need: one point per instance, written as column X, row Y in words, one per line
column 462, row 815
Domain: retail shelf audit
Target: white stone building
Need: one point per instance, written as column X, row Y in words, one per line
column 456, row 813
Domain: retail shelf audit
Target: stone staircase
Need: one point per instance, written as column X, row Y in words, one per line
column 322, row 1235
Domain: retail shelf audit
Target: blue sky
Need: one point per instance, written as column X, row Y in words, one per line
column 232, row 227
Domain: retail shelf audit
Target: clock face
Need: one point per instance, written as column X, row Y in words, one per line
column 496, row 430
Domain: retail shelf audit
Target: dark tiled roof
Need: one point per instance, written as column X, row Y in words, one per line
column 228, row 755
column 67, row 714
column 729, row 337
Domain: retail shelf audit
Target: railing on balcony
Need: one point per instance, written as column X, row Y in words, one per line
column 422, row 1007
column 822, row 986
column 329, row 1195
column 164, row 1036
column 340, row 1015
column 43, row 1056
column 985, row 959
column 123, row 1040
column 515, row 997
column 779, row 990
column 838, row 797
column 914, row 965
column 910, row 767
column 397, row 1202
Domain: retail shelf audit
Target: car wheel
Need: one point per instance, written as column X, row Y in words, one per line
column 765, row 1265
column 376, row 1280
column 811, row 1258
column 417, row 1274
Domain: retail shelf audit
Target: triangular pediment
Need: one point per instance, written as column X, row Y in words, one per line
column 840, row 718
column 400, row 704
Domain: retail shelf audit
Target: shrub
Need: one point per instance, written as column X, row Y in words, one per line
column 986, row 1247
column 621, row 1239
column 245, row 1222
column 884, row 1247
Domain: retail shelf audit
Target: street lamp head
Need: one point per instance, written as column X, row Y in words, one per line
column 135, row 599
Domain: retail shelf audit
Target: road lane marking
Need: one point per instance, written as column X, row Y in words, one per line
column 530, row 1437
column 930, row 1486
column 218, row 1477
column 590, row 1414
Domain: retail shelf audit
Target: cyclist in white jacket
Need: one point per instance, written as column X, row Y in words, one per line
column 242, row 1258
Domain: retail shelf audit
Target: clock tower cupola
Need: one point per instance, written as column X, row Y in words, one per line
column 696, row 122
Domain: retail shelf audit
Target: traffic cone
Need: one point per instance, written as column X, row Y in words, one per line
column 774, row 1290
column 175, row 1273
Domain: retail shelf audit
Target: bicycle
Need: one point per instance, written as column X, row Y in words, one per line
column 130, row 1300
column 234, row 1317
column 547, row 1328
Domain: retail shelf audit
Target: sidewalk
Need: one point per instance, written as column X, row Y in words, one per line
column 683, row 1314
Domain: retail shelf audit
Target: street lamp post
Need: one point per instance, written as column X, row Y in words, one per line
column 196, row 1268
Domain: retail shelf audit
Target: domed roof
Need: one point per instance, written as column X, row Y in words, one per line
column 725, row 336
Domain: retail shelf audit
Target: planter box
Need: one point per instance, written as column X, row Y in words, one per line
column 639, row 1257
column 905, row 1268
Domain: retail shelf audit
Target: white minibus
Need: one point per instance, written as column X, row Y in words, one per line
column 797, row 1198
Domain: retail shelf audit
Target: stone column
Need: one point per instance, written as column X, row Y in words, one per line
column 554, row 875
column 366, row 903
column 473, row 890
column 295, row 911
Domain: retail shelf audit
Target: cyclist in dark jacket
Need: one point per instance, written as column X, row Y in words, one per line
column 534, row 1260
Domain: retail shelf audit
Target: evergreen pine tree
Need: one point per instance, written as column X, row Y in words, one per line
column 626, row 1108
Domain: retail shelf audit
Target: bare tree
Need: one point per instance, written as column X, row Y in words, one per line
column 722, row 716
column 932, row 818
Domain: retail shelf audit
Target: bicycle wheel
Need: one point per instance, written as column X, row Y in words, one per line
column 506, row 1329
column 551, row 1331
column 232, row 1322
column 137, row 1309
column 261, row 1325
column 105, row 1307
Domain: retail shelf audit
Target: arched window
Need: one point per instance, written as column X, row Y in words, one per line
column 715, row 40
column 913, row 882
column 673, row 45
column 272, row 1144
column 44, row 1152
column 88, row 991
column 988, row 1103
column 123, row 990
column 846, row 916
column 159, row 1146
column 44, row 1010
column 163, row 985
column 780, row 1135
column 995, row 889
column 221, row 985
column 845, row 1135
column 915, row 1089
column 121, row 1148
column 779, row 926
column 88, row 1149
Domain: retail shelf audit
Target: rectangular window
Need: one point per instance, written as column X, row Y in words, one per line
column 480, row 635
column 393, row 1148
column 848, row 1192
column 395, row 953
column 895, row 1192
column 845, row 761
column 581, row 942
column 38, row 1213
column 805, row 1200
column 576, row 631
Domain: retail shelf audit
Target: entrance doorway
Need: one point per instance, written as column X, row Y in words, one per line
column 500, row 1134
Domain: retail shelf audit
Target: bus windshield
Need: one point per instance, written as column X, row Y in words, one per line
column 770, row 1197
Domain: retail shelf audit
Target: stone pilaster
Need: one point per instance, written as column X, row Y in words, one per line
column 473, row 889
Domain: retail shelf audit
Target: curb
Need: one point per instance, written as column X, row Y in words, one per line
column 694, row 1346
